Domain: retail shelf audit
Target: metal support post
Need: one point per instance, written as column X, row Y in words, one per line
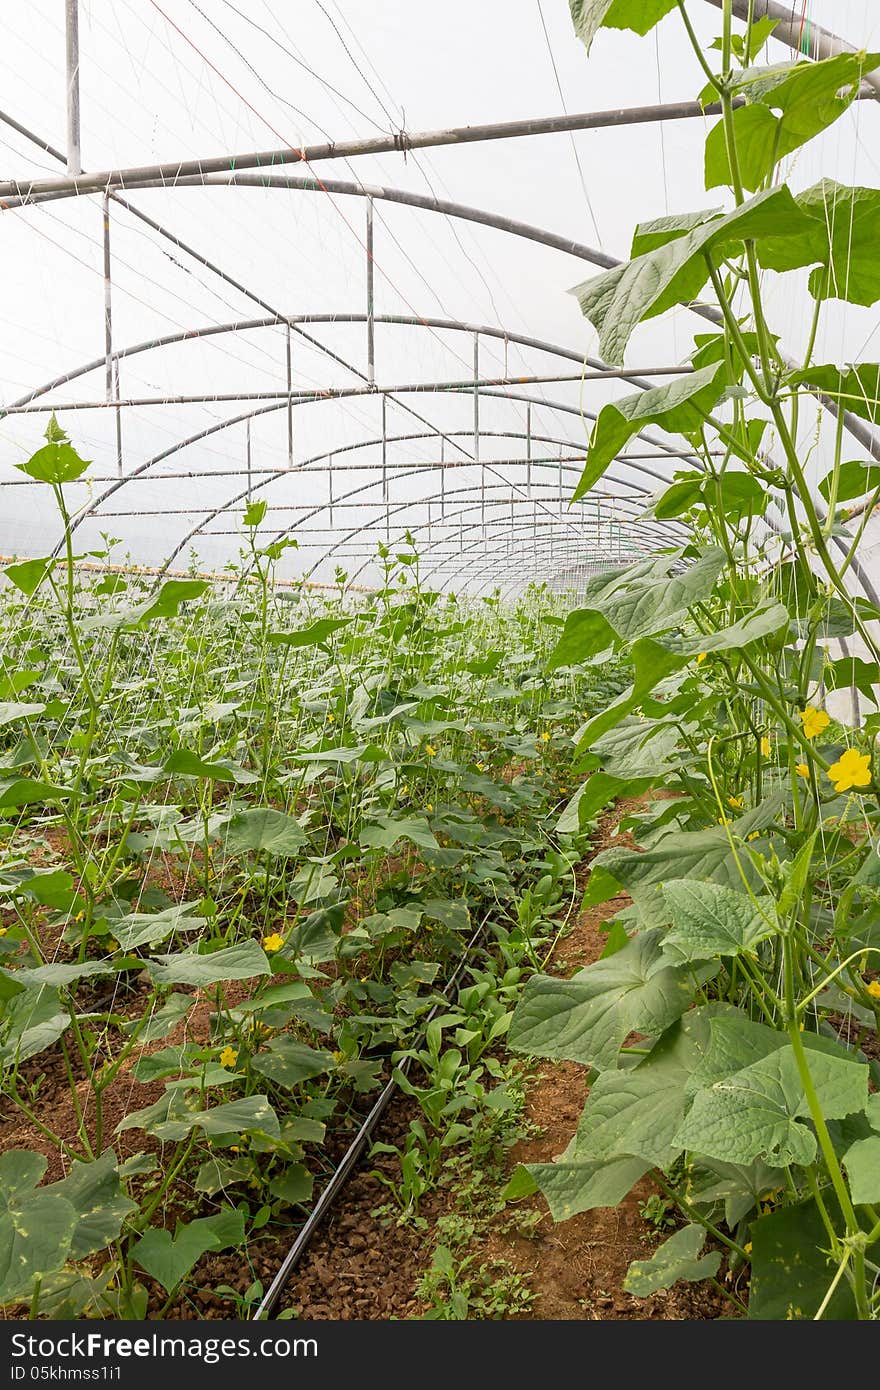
column 371, row 323
column 71, row 25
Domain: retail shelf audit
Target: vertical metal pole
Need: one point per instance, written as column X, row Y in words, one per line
column 71, row 24
column 476, row 397
column 371, row 323
column 289, row 401
column 248, row 456
column 529, row 450
column 442, row 480
column 330, row 488
column 385, row 497
column 561, row 495
column 111, row 364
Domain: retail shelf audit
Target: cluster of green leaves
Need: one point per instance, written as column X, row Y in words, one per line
column 246, row 834
column 731, row 1026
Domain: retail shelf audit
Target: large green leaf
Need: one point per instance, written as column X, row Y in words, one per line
column 170, row 1258
column 637, row 1110
column 618, row 300
column 240, row 962
column 756, row 1112
column 862, row 1163
column 839, row 238
column 587, row 1018
column 763, row 621
column 239, row 1117
column 143, row 928
column 854, row 478
column 387, row 830
column 167, row 602
column 809, row 96
column 185, row 763
column 96, row 1194
column 570, row 1187
column 858, row 390
column 28, row 575
column 709, row 919
column 260, row 829
column 678, row 1258
column 33, row 1020
column 679, row 407
column 589, row 16
column 288, row 1062
column 652, row 663
column 36, row 1224
column 25, row 791
column 312, row 636
column 792, row 1269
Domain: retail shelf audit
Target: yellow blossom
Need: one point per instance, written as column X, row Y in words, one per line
column 481, row 767
column 802, row 770
column 874, row 989
column 430, row 750
column 273, row 942
column 430, row 806
column 701, row 657
column 852, row 769
column 546, row 736
column 331, row 718
column 735, row 801
column 3, row 931
column 813, row 721
column 228, row 1057
column 748, row 1247
column 765, row 747
column 754, row 835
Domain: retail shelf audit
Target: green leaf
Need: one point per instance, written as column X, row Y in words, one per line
column 589, row 16
column 24, row 791
column 839, row 239
column 184, row 763
column 652, row 663
column 167, row 602
column 28, row 575
column 36, row 1224
column 763, row 621
column 149, row 928
column 856, row 388
column 616, row 301
column 586, row 1019
column 239, row 1117
column 240, row 962
column 12, row 710
column 710, row 919
column 637, row 1110
column 96, row 1195
column 862, row 1163
column 756, row 1112
column 809, row 96
column 792, row 1269
column 56, row 462
column 678, row 1258
column 294, row 1185
column 288, row 1063
column 170, row 1258
column 855, row 478
column 313, row 636
column 572, row 1187
column 34, row 1020
column 388, row 830
column 164, row 1020
column 254, row 513
column 263, row 830
column 678, row 406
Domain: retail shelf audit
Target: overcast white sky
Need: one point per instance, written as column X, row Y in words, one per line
column 169, row 79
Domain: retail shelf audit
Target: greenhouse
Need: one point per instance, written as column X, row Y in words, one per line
column 440, row 636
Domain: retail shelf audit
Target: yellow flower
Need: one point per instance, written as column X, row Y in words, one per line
column 754, row 835
column 701, row 657
column 3, row 931
column 404, row 789
column 228, row 1057
column 481, row 767
column 735, row 801
column 546, row 736
column 765, row 747
column 430, row 806
column 331, row 718
column 814, row 721
column 748, row 1247
column 874, row 989
column 802, row 770
column 273, row 942
column 852, row 769
column 430, row 750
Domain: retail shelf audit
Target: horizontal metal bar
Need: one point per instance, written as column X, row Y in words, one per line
column 304, row 394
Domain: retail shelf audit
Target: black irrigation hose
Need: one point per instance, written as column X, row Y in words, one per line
column 354, row 1151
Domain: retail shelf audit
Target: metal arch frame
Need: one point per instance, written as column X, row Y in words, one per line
column 379, row 519
column 231, row 501
column 100, row 182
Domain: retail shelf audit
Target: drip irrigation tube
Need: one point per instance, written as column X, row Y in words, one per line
column 351, row 1156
